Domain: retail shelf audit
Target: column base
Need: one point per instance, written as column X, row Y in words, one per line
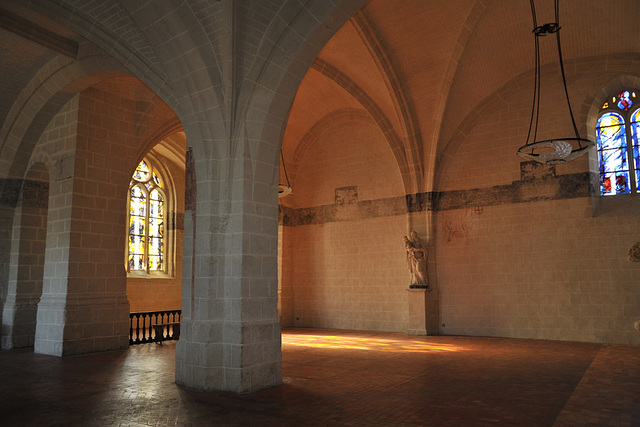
column 229, row 356
column 79, row 324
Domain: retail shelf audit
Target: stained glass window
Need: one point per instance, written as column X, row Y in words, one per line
column 618, row 139
column 146, row 241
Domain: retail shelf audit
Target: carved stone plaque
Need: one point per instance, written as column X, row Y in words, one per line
column 347, row 196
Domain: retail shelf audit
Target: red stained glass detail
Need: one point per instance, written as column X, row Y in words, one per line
column 625, row 100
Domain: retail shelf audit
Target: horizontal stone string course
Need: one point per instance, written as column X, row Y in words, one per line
column 531, row 190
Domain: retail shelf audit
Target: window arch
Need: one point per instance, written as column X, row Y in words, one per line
column 147, row 202
column 618, row 140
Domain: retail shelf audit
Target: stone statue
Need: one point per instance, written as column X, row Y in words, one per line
column 416, row 261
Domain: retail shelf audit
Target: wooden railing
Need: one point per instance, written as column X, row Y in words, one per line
column 142, row 330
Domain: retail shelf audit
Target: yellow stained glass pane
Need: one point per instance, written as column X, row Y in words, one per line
column 156, row 227
column 610, row 119
column 136, row 225
column 138, row 207
column 156, row 207
column 136, row 252
column 156, row 253
column 137, row 192
column 157, row 196
column 155, row 263
column 136, row 244
column 136, row 262
column 137, row 201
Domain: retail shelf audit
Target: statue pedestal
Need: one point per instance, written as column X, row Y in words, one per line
column 418, row 311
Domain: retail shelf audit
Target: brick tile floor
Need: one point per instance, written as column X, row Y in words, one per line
column 339, row 378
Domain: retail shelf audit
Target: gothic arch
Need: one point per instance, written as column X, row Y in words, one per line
column 42, row 99
column 269, row 99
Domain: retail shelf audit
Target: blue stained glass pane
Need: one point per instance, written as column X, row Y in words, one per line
column 615, row 183
column 610, row 131
column 612, row 154
column 613, row 160
column 613, row 172
column 622, row 183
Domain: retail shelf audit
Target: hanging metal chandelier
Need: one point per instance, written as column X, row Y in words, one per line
column 556, row 150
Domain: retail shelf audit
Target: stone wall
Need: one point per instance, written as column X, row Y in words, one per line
column 522, row 250
column 519, row 249
column 342, row 259
column 539, row 270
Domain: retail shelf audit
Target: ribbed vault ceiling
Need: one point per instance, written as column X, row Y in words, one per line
column 417, row 68
column 425, row 66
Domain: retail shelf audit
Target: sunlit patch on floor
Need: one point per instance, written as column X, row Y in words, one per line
column 365, row 343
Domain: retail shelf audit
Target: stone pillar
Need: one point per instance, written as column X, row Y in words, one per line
column 230, row 334
column 27, row 262
column 84, row 306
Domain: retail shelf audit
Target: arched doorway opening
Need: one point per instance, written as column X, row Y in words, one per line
column 155, row 238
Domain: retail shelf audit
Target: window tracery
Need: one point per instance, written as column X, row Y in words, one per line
column 147, row 225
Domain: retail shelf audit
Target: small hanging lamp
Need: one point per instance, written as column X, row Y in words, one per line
column 556, row 150
column 284, row 190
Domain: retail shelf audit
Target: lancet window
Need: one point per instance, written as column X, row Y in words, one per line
column 147, row 225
